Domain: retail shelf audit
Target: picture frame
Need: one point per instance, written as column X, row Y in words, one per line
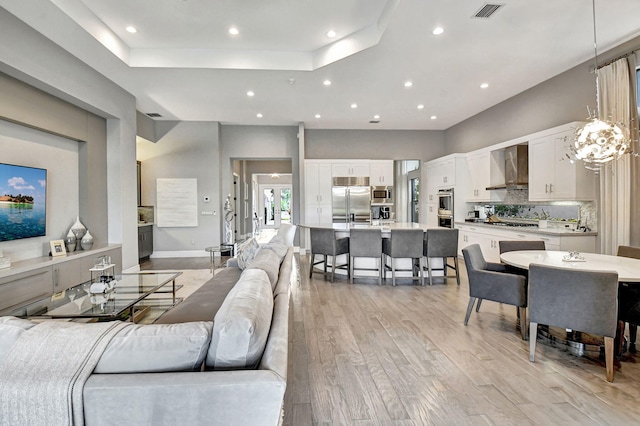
column 57, row 248
column 246, row 191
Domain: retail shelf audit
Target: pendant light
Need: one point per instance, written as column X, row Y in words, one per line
column 599, row 141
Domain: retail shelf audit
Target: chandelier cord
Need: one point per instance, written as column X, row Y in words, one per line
column 595, row 69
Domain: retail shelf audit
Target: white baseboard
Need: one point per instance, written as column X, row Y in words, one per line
column 181, row 253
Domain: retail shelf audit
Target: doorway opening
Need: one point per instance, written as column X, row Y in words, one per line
column 275, row 204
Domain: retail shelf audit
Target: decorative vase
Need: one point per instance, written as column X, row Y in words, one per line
column 70, row 241
column 87, row 241
column 78, row 229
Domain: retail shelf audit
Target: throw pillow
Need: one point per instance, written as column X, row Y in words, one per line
column 241, row 326
column 246, row 252
column 157, row 348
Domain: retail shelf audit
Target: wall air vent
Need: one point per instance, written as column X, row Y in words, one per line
column 374, row 121
column 153, row 115
column 487, row 10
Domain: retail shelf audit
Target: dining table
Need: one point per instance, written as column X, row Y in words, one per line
column 628, row 270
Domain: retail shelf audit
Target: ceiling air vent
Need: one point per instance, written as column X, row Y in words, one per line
column 153, row 114
column 487, row 10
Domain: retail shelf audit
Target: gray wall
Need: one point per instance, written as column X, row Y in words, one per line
column 559, row 100
column 189, row 150
column 374, row 144
column 259, row 143
column 35, row 60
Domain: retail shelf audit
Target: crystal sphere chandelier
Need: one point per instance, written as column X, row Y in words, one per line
column 599, row 141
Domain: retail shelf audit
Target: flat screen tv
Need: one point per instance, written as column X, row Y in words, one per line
column 23, row 210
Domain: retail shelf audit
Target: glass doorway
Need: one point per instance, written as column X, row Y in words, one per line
column 275, row 204
column 414, row 208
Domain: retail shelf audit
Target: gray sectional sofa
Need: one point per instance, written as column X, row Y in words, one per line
column 188, row 369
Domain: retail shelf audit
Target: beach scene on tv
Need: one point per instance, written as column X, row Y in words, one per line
column 22, row 202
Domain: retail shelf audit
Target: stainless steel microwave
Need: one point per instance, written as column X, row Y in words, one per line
column 381, row 195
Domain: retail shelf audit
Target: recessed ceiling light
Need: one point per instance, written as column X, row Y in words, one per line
column 420, row 106
column 250, row 93
column 354, row 106
column 259, row 115
column 318, row 116
column 433, row 117
column 327, row 82
column 484, row 85
column 331, row 34
column 131, row 29
column 437, row 31
column 376, row 116
column 408, row 84
column 234, row 31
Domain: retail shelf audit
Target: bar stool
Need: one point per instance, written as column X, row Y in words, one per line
column 325, row 243
column 404, row 243
column 366, row 243
column 441, row 243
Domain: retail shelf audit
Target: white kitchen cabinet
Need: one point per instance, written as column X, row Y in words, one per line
column 381, row 172
column 358, row 168
column 552, row 176
column 479, row 178
column 431, row 214
column 318, row 185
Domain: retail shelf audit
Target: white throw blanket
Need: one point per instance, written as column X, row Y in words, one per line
column 43, row 375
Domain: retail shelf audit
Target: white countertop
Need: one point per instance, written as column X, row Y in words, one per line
column 385, row 227
column 561, row 232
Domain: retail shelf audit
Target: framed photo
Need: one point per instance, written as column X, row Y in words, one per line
column 57, row 248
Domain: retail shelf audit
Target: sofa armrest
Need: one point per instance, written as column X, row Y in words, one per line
column 232, row 263
column 243, row 397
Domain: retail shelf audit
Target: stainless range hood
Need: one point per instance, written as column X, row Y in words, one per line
column 516, row 168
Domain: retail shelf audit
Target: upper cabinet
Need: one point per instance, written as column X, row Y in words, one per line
column 358, row 168
column 479, row 179
column 381, row 172
column 552, row 176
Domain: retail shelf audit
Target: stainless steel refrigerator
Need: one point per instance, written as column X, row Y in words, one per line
column 351, row 198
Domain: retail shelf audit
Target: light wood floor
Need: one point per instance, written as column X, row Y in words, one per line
column 368, row 355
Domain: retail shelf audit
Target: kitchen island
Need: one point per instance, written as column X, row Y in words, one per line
column 342, row 230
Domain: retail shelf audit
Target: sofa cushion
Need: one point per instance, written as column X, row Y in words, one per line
column 241, row 326
column 269, row 262
column 157, row 348
column 11, row 328
column 276, row 247
column 287, row 232
column 203, row 304
column 246, row 252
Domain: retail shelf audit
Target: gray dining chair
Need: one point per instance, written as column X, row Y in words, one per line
column 488, row 280
column 441, row 243
column 403, row 243
column 365, row 243
column 585, row 301
column 629, row 301
column 325, row 243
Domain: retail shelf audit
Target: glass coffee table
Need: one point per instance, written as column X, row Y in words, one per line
column 125, row 302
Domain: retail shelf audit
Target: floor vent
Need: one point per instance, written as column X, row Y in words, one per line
column 154, row 114
column 487, row 10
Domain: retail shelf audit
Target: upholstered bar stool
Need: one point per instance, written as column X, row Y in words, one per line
column 441, row 243
column 325, row 243
column 366, row 243
column 404, row 243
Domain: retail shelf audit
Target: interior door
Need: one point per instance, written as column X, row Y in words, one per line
column 275, row 204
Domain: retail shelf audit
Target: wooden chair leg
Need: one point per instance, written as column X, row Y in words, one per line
column 380, row 266
column 393, row 272
column 311, row 265
column 533, row 334
column 430, row 272
column 469, row 309
column 608, row 357
column 420, row 261
column 333, row 268
column 351, row 268
column 523, row 322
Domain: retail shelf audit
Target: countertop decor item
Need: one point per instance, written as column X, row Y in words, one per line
column 87, row 241
column 70, row 241
column 57, row 248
